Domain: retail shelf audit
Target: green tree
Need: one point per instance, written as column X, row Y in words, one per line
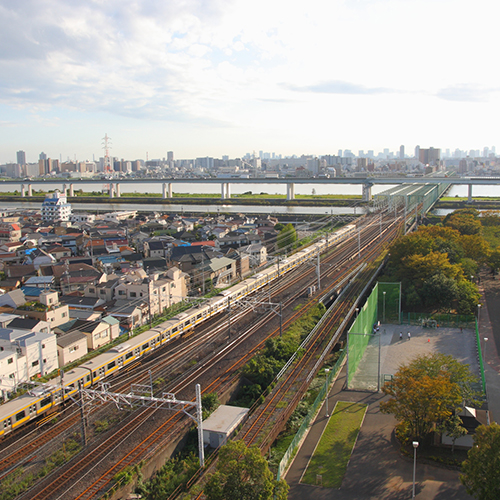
column 494, row 259
column 454, row 429
column 287, row 236
column 439, row 291
column 209, row 403
column 481, row 471
column 467, row 297
column 243, row 474
column 427, row 391
column 475, row 247
column 465, row 223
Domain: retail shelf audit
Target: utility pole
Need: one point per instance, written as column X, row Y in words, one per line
column 82, row 414
column 318, row 271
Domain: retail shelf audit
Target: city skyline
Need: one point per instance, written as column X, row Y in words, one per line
column 228, row 77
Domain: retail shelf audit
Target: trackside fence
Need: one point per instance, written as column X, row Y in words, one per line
column 290, row 452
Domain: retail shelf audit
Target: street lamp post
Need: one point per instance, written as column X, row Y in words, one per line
column 384, row 307
column 327, row 371
column 415, row 446
column 484, row 350
column 478, row 314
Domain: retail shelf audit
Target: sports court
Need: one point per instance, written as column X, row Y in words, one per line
column 459, row 343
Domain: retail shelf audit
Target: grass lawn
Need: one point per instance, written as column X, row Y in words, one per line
column 334, row 450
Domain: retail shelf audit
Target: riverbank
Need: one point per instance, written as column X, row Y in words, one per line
column 140, row 200
column 479, row 203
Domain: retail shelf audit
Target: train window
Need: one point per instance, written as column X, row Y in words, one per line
column 111, row 365
column 174, row 329
column 95, row 374
column 157, row 339
column 145, row 346
column 87, row 378
column 199, row 316
column 129, row 355
column 45, row 402
column 20, row 415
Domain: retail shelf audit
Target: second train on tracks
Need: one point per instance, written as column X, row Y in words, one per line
column 46, row 398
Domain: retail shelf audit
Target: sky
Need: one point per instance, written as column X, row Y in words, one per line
column 228, row 77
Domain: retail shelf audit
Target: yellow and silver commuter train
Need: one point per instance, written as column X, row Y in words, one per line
column 47, row 397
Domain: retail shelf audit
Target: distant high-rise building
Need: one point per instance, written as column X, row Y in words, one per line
column 170, row 156
column 402, row 152
column 42, row 156
column 21, row 158
column 361, row 153
column 44, row 165
column 417, row 152
column 340, row 153
column 386, row 152
column 429, row 156
column 371, row 153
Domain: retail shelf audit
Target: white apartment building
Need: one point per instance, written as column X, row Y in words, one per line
column 24, row 356
column 56, row 208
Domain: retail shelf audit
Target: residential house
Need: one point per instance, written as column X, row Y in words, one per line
column 48, row 309
column 257, row 254
column 9, row 232
column 70, row 347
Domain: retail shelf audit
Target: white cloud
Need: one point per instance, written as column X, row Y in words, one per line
column 229, row 62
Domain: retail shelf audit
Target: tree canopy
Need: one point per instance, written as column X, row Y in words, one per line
column 434, row 265
column 427, row 392
column 243, row 474
column 481, row 471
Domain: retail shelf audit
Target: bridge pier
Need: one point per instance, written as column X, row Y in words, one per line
column 111, row 190
column 30, row 190
column 469, row 198
column 117, row 190
column 225, row 190
column 23, row 191
column 290, row 191
column 64, row 189
column 71, row 190
column 367, row 191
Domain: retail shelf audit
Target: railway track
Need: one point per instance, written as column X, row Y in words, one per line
column 343, row 255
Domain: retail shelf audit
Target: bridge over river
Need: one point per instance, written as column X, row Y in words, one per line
column 168, row 184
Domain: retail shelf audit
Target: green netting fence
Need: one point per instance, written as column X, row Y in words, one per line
column 389, row 302
column 480, row 354
column 383, row 305
column 438, row 320
column 290, row 452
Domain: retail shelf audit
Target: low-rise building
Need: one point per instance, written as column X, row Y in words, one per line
column 70, row 347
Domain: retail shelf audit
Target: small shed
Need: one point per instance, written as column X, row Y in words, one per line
column 221, row 424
